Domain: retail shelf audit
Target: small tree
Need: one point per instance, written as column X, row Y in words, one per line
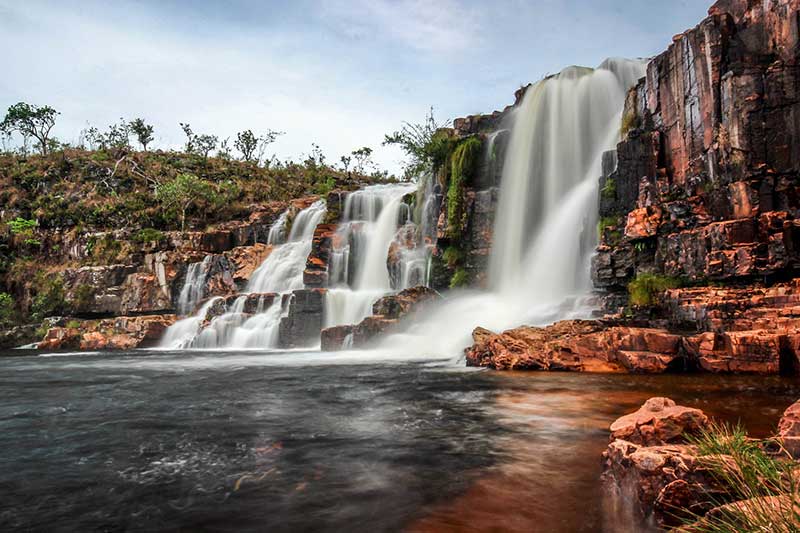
column 253, row 147
column 346, row 159
column 6, row 310
column 201, row 145
column 426, row 144
column 116, row 137
column 143, row 132
column 362, row 157
column 178, row 194
column 31, row 121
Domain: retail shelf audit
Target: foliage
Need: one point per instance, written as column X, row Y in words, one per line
column 84, row 297
column 766, row 484
column 31, row 121
column 463, row 162
column 178, row 194
column 49, row 298
column 609, row 190
column 253, row 147
column 142, row 131
column 148, row 235
column 453, row 255
column 24, row 228
column 199, row 144
column 363, row 159
column 609, row 228
column 629, row 122
column 426, row 144
column 115, row 138
column 6, row 310
column 460, row 279
column 325, row 186
column 645, row 289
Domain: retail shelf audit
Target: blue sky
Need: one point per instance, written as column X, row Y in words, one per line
column 339, row 73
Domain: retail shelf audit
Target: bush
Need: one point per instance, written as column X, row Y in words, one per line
column 148, row 235
column 609, row 190
column 6, row 310
column 49, row 299
column 644, row 290
column 607, row 223
column 460, row 279
column 629, row 122
column 453, row 256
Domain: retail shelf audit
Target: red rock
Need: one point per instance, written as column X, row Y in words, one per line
column 120, row 333
column 246, row 259
column 643, row 222
column 658, row 421
column 789, row 429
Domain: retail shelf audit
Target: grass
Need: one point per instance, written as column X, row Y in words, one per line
column 460, row 279
column 764, row 486
column 609, row 190
column 645, row 289
column 463, row 162
column 629, row 122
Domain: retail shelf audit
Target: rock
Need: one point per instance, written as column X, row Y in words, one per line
column 120, row 333
column 659, row 421
column 789, row 429
column 643, row 222
column 389, row 313
column 19, row 336
column 246, row 259
column 316, row 272
column 302, row 324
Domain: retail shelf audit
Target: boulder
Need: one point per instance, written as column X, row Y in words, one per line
column 120, row 333
column 659, row 421
column 789, row 429
column 246, row 259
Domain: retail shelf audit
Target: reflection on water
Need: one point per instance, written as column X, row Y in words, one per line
column 285, row 442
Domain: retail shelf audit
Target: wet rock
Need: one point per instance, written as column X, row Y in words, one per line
column 316, row 272
column 120, row 333
column 302, row 324
column 659, row 421
column 246, row 259
column 643, row 222
column 789, row 429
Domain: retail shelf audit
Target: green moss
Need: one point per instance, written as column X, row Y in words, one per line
column 629, row 122
column 645, row 289
column 460, row 279
column 462, row 169
column 608, row 230
column 609, row 190
column 453, row 256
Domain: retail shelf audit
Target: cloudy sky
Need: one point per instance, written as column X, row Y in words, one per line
column 339, row 73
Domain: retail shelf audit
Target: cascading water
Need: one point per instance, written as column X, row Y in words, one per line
column 359, row 275
column 194, row 286
column 281, row 272
column 544, row 230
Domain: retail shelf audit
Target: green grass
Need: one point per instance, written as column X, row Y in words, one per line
column 629, row 122
column 460, row 279
column 764, row 484
column 609, row 190
column 645, row 289
column 462, row 169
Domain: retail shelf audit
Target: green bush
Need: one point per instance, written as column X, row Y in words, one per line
column 462, row 169
column 453, row 256
column 609, row 190
column 607, row 223
column 6, row 310
column 644, row 290
column 49, row 299
column 148, row 235
column 460, row 279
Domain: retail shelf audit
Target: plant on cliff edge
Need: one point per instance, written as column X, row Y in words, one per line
column 462, row 167
column 644, row 290
column 198, row 144
column 31, row 121
column 252, row 147
column 49, row 299
column 425, row 144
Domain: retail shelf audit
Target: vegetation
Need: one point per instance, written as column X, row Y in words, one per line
column 427, row 145
column 609, row 190
column 49, row 299
column 453, row 256
column 764, row 485
column 149, row 235
column 180, row 193
column 460, row 279
column 6, row 310
column 142, row 131
column 252, row 147
column 629, row 122
column 31, row 121
column 645, row 289
column 608, row 228
column 463, row 163
column 199, row 144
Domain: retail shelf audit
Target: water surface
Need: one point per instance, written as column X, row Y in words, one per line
column 299, row 441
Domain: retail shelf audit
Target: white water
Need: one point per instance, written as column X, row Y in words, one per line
column 194, row 286
column 359, row 275
column 545, row 227
column 281, row 272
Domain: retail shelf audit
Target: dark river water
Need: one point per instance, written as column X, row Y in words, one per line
column 315, row 442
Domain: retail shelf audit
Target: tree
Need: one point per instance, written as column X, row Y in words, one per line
column 178, row 194
column 362, row 157
column 31, row 121
column 116, row 137
column 143, row 132
column 426, row 144
column 346, row 159
column 6, row 310
column 253, row 147
column 197, row 144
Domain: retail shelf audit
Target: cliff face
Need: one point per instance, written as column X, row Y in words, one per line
column 706, row 183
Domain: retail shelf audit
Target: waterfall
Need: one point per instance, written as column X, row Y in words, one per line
column 359, row 275
column 194, row 286
column 546, row 217
column 281, row 272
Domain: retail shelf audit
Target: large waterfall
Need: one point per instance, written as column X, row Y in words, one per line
column 546, row 218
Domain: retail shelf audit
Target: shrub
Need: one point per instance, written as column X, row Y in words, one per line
column 453, row 256
column 607, row 223
column 49, row 299
column 629, row 122
column 609, row 190
column 148, row 235
column 84, row 297
column 460, row 279
column 644, row 290
column 6, row 310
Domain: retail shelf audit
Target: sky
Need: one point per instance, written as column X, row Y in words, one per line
column 338, row 73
